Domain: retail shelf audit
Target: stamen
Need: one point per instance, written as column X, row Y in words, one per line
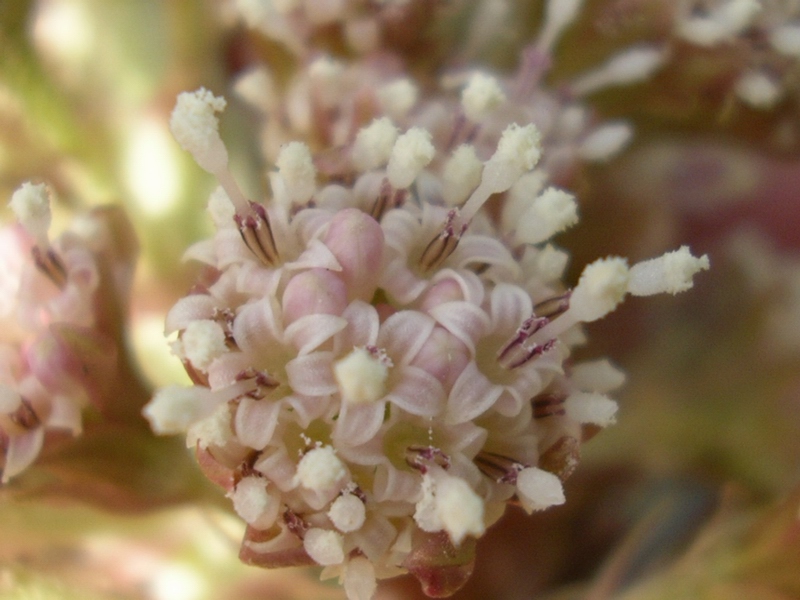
column 264, row 382
column 418, row 456
column 257, row 234
column 517, row 351
column 498, row 468
column 548, row 405
column 388, row 198
column 25, row 417
column 443, row 245
column 553, row 307
column 48, row 262
column 295, row 523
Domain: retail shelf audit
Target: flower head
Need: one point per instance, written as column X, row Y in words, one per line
column 381, row 361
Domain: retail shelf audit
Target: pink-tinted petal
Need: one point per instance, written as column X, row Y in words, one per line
column 256, row 326
column 312, row 374
column 509, row 307
column 479, row 249
column 222, row 372
column 472, row 395
column 203, row 251
column 316, row 255
column 21, row 452
column 443, row 355
column 417, row 392
column 400, row 230
column 254, row 280
column 362, row 327
column 356, row 239
column 255, row 422
column 464, row 320
column 400, row 283
column 305, row 409
column 403, row 334
column 470, row 285
column 316, row 291
column 357, row 424
column 230, row 248
column 310, row 332
column 395, row 485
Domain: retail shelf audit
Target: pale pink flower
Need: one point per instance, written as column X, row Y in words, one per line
column 375, row 369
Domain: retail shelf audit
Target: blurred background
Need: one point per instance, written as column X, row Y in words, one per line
column 693, row 494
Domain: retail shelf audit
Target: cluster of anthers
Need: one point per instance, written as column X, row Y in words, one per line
column 380, row 362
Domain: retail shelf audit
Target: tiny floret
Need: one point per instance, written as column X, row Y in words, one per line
column 517, row 153
column 374, row 143
column 606, row 142
column 448, row 503
column 411, row 153
column 203, row 341
column 195, row 125
column 361, row 377
column 324, row 546
column 347, row 513
column 253, row 503
column 551, row 212
column 591, row 408
column 174, row 408
column 462, row 174
column 758, row 89
column 221, row 208
column 786, row 40
column 538, row 489
column 460, row 508
column 602, row 286
column 398, row 98
column 671, row 273
column 297, row 170
column 481, row 96
column 31, row 206
column 320, row 469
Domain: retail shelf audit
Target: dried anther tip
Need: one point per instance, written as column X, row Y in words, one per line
column 418, row 457
column 257, row 234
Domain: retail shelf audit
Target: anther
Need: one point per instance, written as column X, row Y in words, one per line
column 418, row 457
column 48, row 262
column 443, row 245
column 548, row 405
column 257, row 234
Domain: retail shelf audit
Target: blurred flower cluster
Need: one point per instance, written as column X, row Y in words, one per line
column 295, row 283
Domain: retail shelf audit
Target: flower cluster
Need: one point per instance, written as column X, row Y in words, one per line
column 328, row 100
column 381, row 359
column 56, row 346
column 765, row 32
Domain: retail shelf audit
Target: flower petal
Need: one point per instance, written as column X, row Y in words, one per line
column 509, row 307
column 464, row 320
column 255, row 422
column 403, row 334
column 312, row 374
column 310, row 332
column 472, row 395
column 359, row 423
column 362, row 327
column 417, row 392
